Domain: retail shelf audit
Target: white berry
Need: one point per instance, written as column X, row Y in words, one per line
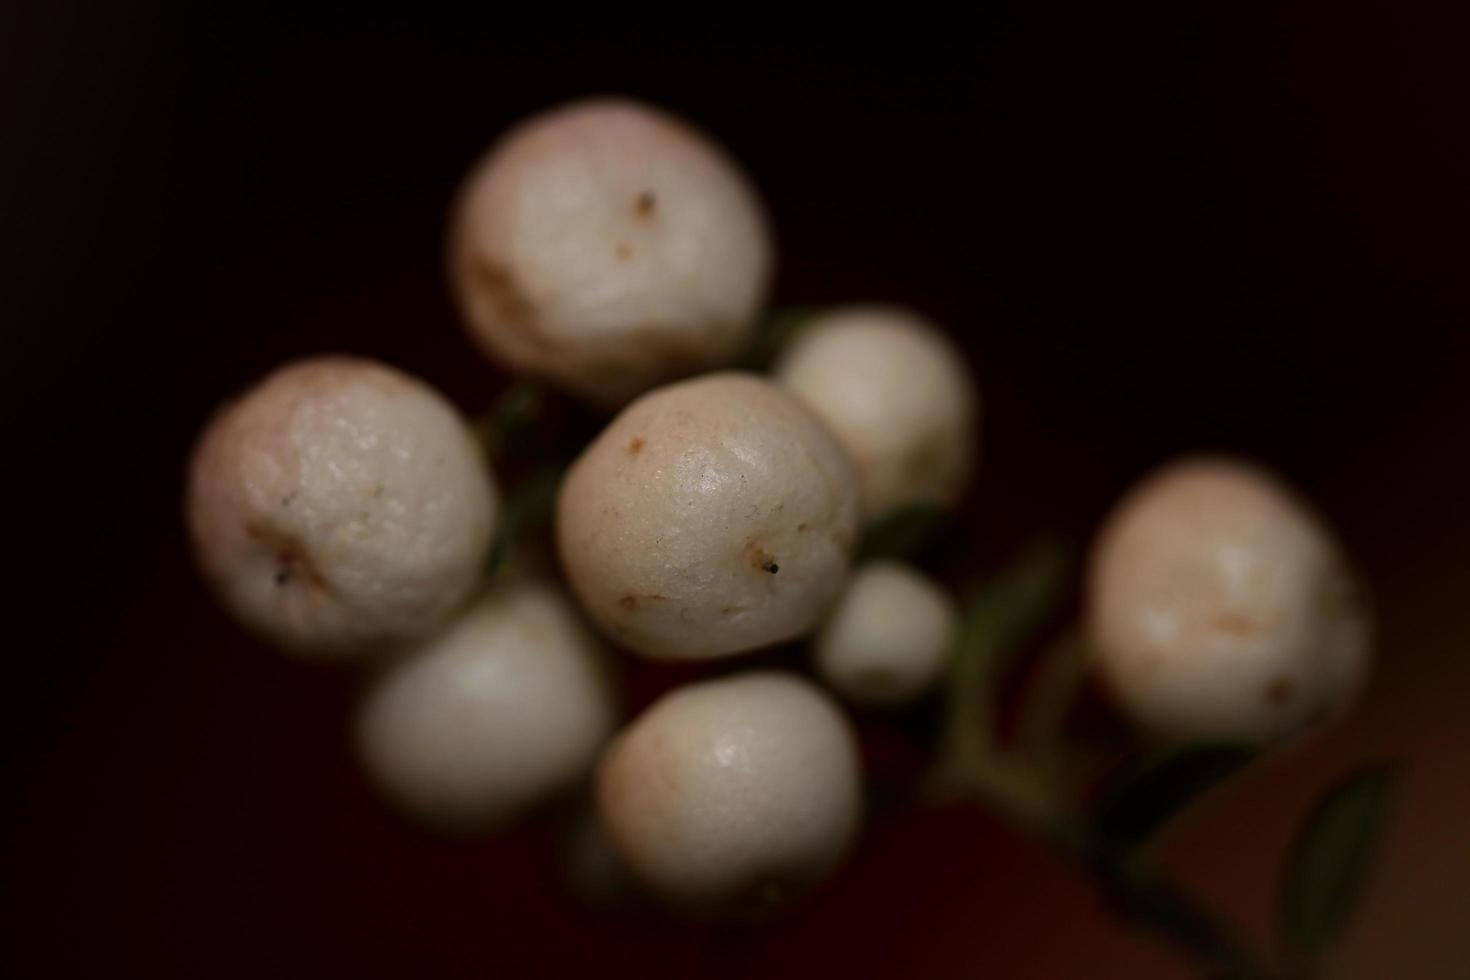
column 896, row 393
column 340, row 505
column 889, row 637
column 506, row 708
column 609, row 247
column 733, row 795
column 710, row 517
column 1219, row 606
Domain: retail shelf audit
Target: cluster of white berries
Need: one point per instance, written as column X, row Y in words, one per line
column 341, row 508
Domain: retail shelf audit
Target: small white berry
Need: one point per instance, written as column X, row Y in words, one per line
column 1219, row 606
column 609, row 247
column 733, row 795
column 896, row 393
column 507, row 707
column 340, row 505
column 888, row 638
column 710, row 517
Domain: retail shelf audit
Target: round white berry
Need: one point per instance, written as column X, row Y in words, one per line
column 896, row 393
column 712, row 516
column 733, row 795
column 889, row 637
column 609, row 247
column 340, row 505
column 1219, row 606
column 507, row 707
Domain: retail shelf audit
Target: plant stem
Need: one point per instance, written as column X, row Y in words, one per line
column 971, row 765
column 1041, row 729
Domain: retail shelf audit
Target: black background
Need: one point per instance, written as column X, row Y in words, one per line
column 1153, row 230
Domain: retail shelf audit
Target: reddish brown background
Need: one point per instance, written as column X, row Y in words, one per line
column 1152, row 231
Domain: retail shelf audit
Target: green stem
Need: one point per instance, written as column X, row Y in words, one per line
column 972, row 765
column 1041, row 731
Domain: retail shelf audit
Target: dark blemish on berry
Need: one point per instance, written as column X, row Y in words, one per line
column 1279, row 692
column 291, row 560
column 758, row 557
column 644, row 204
column 631, row 602
column 635, row 445
column 286, row 500
column 801, row 528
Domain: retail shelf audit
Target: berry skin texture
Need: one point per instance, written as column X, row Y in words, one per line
column 733, row 796
column 889, row 637
column 1219, row 607
column 609, row 247
column 339, row 506
column 507, row 707
column 896, row 393
column 711, row 517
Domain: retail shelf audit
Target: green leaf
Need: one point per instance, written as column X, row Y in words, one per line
column 529, row 505
column 1329, row 860
column 903, row 534
column 1009, row 606
column 1152, row 789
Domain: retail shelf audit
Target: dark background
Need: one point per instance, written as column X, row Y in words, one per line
column 1155, row 230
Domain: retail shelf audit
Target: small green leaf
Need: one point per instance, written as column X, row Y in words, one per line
column 1009, row 606
column 903, row 534
column 1151, row 790
column 529, row 505
column 1329, row 861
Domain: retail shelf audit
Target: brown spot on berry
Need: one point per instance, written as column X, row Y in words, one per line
column 755, row 555
column 644, row 205
column 624, row 251
column 629, row 602
column 292, row 563
column 1280, row 691
column 635, row 445
column 801, row 528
